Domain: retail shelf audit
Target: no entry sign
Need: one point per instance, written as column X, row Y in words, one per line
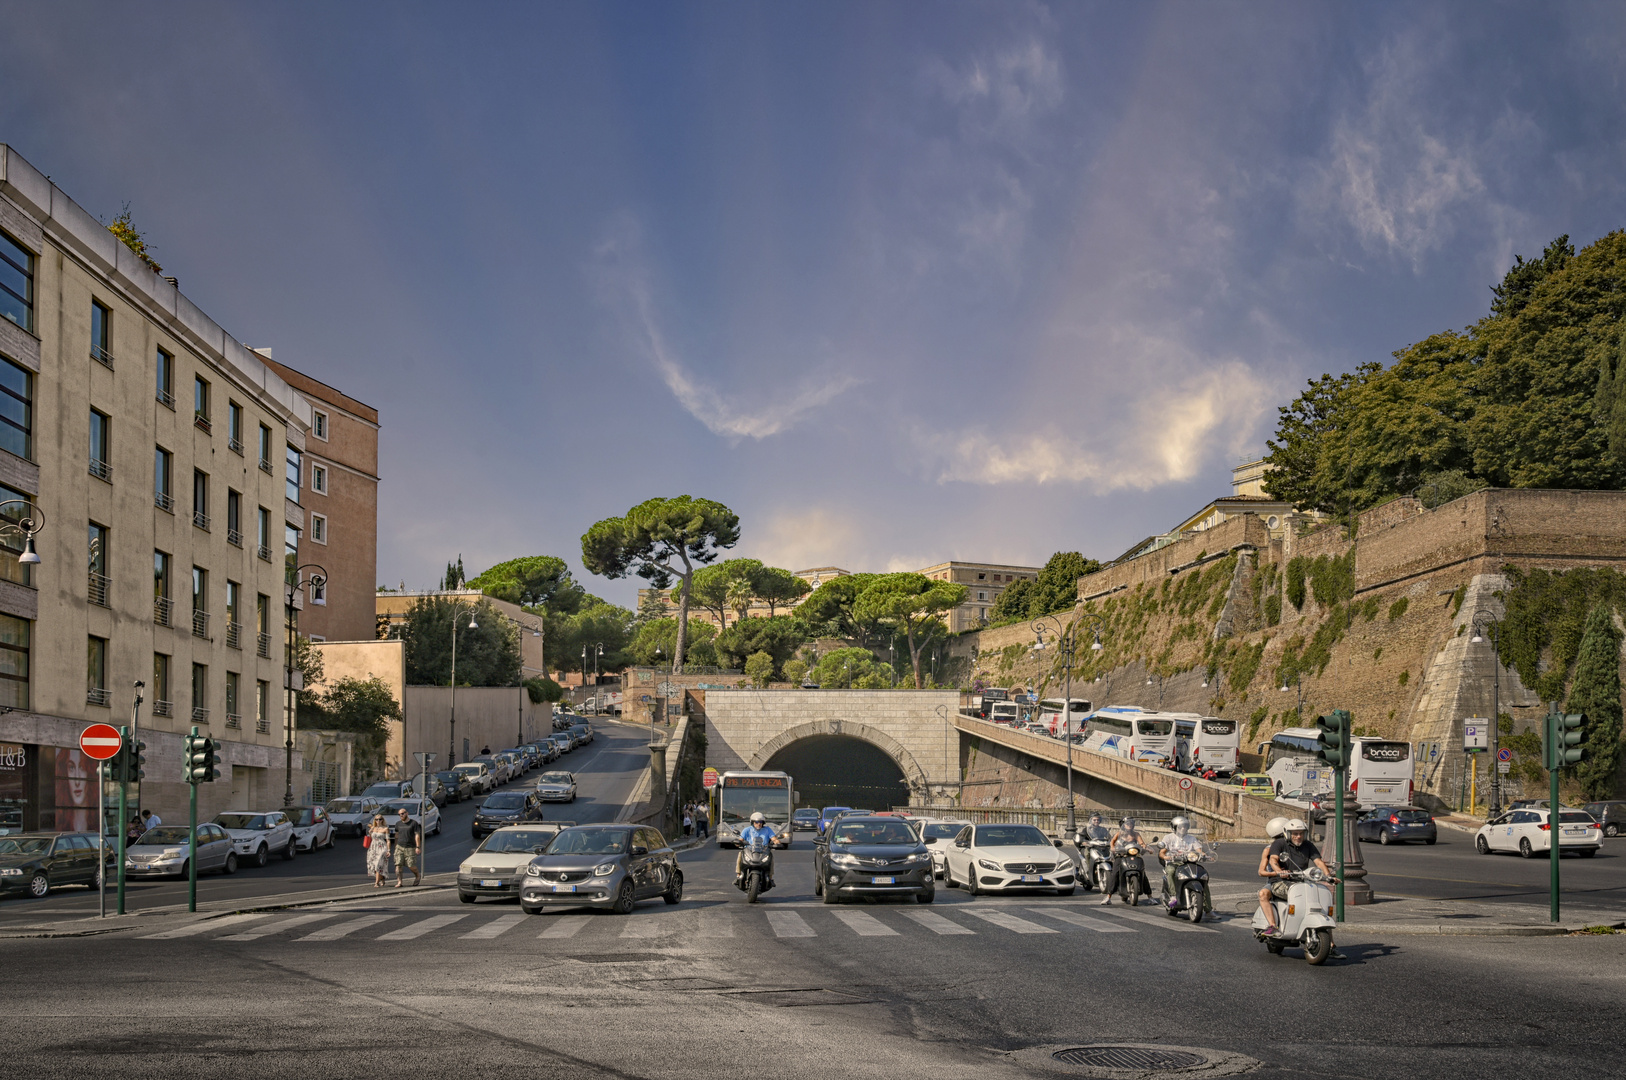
column 99, row 741
column 1185, row 783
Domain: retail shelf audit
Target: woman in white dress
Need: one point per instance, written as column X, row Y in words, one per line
column 378, row 850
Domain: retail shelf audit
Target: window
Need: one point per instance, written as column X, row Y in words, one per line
column 161, row 704
column 262, row 625
column 96, row 673
column 101, row 333
column 16, row 283
column 98, row 564
column 982, row 596
column 200, row 693
column 162, row 606
column 265, row 448
column 234, row 427
column 290, row 553
column 101, row 446
column 200, row 602
column 319, row 478
column 233, row 682
column 233, row 627
column 262, row 706
column 263, row 537
column 166, row 379
column 318, row 529
column 293, row 475
column 16, row 409
column 319, row 424
column 200, row 498
column 234, row 517
column 14, row 637
column 11, row 540
column 200, row 400
column 163, row 494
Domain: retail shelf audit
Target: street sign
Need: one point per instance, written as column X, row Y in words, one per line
column 708, row 779
column 648, row 699
column 1475, row 735
column 100, row 741
column 1185, row 783
column 1504, row 766
column 1504, row 755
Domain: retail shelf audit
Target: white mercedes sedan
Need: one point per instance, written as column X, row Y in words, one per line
column 997, row 858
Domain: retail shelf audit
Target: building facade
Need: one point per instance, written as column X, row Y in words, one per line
column 984, row 582
column 164, row 459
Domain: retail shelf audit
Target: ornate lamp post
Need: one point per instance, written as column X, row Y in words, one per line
column 1066, row 641
column 315, row 586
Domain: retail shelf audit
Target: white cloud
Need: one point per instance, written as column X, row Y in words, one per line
column 806, row 537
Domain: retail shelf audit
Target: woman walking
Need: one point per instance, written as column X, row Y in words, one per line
column 378, row 850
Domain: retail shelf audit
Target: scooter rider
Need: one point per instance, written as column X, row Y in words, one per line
column 1124, row 837
column 1287, row 855
column 1176, row 842
column 1091, row 831
column 757, row 830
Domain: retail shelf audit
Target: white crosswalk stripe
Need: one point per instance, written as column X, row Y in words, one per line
column 864, row 924
column 1009, row 921
column 204, row 927
column 936, row 923
column 565, row 927
column 419, row 928
column 1160, row 920
column 789, row 924
column 496, row 927
column 266, row 928
column 1100, row 926
column 346, row 928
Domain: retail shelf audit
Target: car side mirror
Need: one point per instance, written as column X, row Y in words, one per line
column 1058, row 841
column 639, row 849
column 931, row 839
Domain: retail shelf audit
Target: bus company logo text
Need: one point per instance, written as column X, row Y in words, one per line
column 1383, row 753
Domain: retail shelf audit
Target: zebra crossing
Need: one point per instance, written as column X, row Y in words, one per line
column 804, row 921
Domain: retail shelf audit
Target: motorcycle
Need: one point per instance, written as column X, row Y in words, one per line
column 1097, row 852
column 1191, row 881
column 1131, row 874
column 756, row 871
column 1304, row 919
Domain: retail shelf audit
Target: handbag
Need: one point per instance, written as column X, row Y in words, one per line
column 367, row 841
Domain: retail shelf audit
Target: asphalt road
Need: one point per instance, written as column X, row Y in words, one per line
column 606, row 770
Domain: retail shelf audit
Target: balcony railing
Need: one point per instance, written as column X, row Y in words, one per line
column 95, row 695
column 202, row 422
column 166, row 399
column 234, row 632
column 98, row 589
column 265, row 465
column 263, row 645
column 201, row 520
column 200, row 624
column 200, row 715
column 163, row 610
column 265, row 553
column 234, row 537
column 234, row 720
column 164, row 501
column 262, row 725
column 101, row 356
column 235, row 445
column 163, row 708
column 101, row 470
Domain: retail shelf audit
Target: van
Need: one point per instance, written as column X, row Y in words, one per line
column 1003, row 712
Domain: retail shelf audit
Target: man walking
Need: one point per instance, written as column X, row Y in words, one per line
column 408, row 839
column 702, row 820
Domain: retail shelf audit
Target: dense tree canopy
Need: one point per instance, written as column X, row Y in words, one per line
column 1055, row 589
column 655, row 643
column 779, row 637
column 908, row 602
column 487, row 655
column 829, row 610
column 533, row 581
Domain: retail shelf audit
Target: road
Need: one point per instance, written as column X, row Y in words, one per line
column 606, row 770
column 987, row 988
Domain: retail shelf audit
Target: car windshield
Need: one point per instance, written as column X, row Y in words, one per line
column 555, row 778
column 383, row 790
column 1010, row 836
column 874, row 832
column 533, row 840
column 25, row 845
column 589, row 842
column 167, row 834
column 468, row 770
column 303, row 816
column 345, row 806
column 1573, row 816
column 446, row 777
column 240, row 821
column 395, row 806
column 1413, row 815
column 832, row 811
column 505, row 800
column 942, row 831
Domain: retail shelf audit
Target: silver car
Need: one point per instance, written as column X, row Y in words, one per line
column 558, row 786
column 165, row 851
column 609, row 866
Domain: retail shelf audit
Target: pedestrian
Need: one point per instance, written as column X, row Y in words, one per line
column 408, row 835
column 688, row 821
column 485, row 751
column 377, row 843
column 132, row 832
column 702, row 820
column 150, row 820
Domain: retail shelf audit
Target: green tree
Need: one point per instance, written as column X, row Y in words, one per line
column 759, row 669
column 1521, row 280
column 655, row 643
column 654, row 533
column 1057, row 586
column 844, row 669
column 1596, row 692
column 709, row 590
column 1018, row 598
column 454, row 575
column 540, row 688
column 363, row 707
column 829, row 611
column 776, row 588
column 542, row 581
column 795, row 671
column 779, row 637
column 487, row 655
column 909, row 602
column 598, row 622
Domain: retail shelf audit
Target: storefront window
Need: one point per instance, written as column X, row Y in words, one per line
column 15, row 765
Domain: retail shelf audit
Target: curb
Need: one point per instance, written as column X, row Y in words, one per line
column 1452, row 930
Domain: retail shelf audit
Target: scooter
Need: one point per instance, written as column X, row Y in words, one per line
column 1131, row 875
column 1097, row 851
column 756, row 871
column 1304, row 920
column 1191, row 882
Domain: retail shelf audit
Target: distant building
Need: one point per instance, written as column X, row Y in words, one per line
column 1247, row 497
column 984, row 582
column 391, row 609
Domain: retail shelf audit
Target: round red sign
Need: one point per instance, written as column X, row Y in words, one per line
column 100, row 741
column 1185, row 783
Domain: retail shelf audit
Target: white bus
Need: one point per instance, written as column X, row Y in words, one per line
column 1130, row 732
column 1206, row 742
column 1050, row 715
column 1380, row 770
column 738, row 795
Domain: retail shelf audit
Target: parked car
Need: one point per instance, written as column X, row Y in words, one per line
column 519, row 763
column 556, row 786
column 166, row 851
column 36, row 863
column 423, row 811
column 1528, row 832
column 805, row 818
column 457, row 785
column 563, row 741
column 256, row 836
column 1611, row 815
column 351, row 815
column 995, row 858
column 390, row 789
column 1396, row 825
column 481, row 778
column 500, row 772
column 612, row 866
column 872, row 856
column 312, row 829
column 1318, row 803
column 937, row 835
column 583, row 734
column 437, row 791
column 506, row 808
column 497, row 866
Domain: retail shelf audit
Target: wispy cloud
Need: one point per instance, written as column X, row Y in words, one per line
column 805, row 537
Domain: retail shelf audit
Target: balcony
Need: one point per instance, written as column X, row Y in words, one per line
column 265, row 466
column 265, row 553
column 163, row 708
column 98, row 589
column 95, row 695
column 263, row 645
column 262, row 725
column 234, row 634
column 164, row 501
column 234, row 537
column 201, row 520
column 236, row 446
column 166, row 399
column 200, row 715
column 234, row 720
column 200, row 624
column 163, row 610
column 101, row 470
column 201, row 422
column 102, row 356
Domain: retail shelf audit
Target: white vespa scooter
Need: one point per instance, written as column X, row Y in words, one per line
column 1305, row 920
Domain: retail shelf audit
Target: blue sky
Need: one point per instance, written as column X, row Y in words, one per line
column 897, row 282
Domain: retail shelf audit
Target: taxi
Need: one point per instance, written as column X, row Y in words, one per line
column 1527, row 830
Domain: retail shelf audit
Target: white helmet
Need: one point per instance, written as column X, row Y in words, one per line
column 1295, row 825
column 1276, row 826
column 757, row 818
column 1179, row 823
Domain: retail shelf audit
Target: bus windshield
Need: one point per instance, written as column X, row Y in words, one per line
column 1156, row 727
column 738, row 799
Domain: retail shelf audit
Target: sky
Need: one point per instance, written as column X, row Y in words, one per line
column 897, row 282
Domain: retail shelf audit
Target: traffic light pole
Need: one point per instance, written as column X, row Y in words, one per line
column 124, row 808
column 1553, row 852
column 1340, row 777
column 192, row 842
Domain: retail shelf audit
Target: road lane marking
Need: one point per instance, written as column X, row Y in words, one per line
column 716, row 924
column 346, row 928
column 1100, row 926
column 789, row 924
column 1161, row 921
column 566, row 926
column 936, row 923
column 419, row 928
column 864, row 924
column 495, row 927
column 1010, row 922
column 202, row 927
column 265, row 929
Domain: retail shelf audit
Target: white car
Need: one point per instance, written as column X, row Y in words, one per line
column 993, row 858
column 1527, row 832
column 497, row 866
column 415, row 809
column 351, row 815
column 558, row 786
column 312, row 829
column 481, row 778
column 938, row 834
column 258, row 835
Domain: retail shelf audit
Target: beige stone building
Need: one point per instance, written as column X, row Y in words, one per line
column 984, row 582
column 164, row 458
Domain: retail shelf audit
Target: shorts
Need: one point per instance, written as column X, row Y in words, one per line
column 407, row 857
column 1278, row 888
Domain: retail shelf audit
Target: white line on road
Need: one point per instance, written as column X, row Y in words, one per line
column 495, row 927
column 936, row 923
column 566, row 927
column 789, row 924
column 201, row 927
column 1010, row 922
column 1162, row 922
column 864, row 924
column 266, row 929
column 419, row 928
column 1100, row 926
column 346, row 928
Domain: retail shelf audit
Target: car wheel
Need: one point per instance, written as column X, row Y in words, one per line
column 971, row 886
column 291, row 850
column 1524, row 848
column 818, row 882
column 1482, row 844
column 262, row 855
column 437, row 828
column 1430, row 841
column 831, row 897
column 230, row 865
column 926, row 897
column 1385, row 837
column 674, row 888
column 467, row 898
column 1611, row 830
column 185, row 871
column 623, row 899
column 39, row 886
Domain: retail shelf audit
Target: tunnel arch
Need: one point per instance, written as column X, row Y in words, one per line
column 913, row 775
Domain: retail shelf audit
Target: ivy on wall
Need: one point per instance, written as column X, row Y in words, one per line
column 1545, row 617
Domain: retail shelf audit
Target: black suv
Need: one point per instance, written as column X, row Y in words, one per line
column 872, row 856
column 512, row 807
column 36, row 863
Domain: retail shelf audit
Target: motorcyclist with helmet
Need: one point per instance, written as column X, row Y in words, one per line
column 1091, row 832
column 1287, row 854
column 1126, row 836
column 757, row 830
column 1178, row 841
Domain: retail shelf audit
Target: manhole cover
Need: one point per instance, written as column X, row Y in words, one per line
column 1128, row 1057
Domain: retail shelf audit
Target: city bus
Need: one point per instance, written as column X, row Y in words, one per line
column 1206, row 742
column 1380, row 770
column 738, row 795
column 1130, row 732
column 1050, row 710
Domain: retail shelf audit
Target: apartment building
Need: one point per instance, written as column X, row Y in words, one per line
column 339, row 493
column 161, row 461
column 984, row 582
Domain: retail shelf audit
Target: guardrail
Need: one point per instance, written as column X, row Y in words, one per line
column 1052, row 821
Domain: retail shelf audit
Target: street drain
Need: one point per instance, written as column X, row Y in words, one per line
column 1128, row 1057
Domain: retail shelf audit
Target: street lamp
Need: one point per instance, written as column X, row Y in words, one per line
column 316, row 587
column 1159, row 679
column 1066, row 640
column 457, row 614
column 598, row 655
column 1297, row 683
column 1482, row 620
column 27, row 523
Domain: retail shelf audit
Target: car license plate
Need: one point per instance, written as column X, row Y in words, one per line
column 1032, row 879
column 1574, row 832
column 886, row 881
column 491, row 883
column 564, row 888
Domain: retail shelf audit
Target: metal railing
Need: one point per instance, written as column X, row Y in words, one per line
column 234, row 537
column 95, row 695
column 200, row 624
column 234, row 720
column 265, row 465
column 164, row 502
column 235, row 445
column 262, row 725
column 202, row 421
column 163, row 708
column 101, row 470
column 101, row 356
column 263, row 646
column 98, row 589
column 233, row 635
column 265, row 553
column 163, row 609
column 165, row 398
column 200, row 715
column 1049, row 820
column 201, row 520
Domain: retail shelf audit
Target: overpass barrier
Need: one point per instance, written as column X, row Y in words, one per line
column 1050, row 821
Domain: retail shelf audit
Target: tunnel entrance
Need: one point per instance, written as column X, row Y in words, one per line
column 840, row 770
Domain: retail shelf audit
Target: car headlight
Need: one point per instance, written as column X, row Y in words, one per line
column 987, row 864
column 11, row 871
column 845, row 860
column 921, row 857
column 533, row 871
column 604, row 870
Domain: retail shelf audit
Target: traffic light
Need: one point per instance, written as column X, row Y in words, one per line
column 126, row 766
column 1561, row 739
column 201, row 760
column 1332, row 733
